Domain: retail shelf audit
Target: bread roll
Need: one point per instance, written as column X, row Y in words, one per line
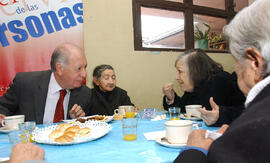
column 55, row 134
column 75, row 129
column 84, row 132
column 70, row 134
column 118, row 117
column 63, row 126
column 64, row 139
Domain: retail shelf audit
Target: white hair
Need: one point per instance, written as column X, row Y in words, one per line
column 251, row 28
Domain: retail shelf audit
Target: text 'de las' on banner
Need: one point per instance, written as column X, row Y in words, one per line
column 31, row 29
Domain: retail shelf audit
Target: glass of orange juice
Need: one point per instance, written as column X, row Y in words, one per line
column 129, row 127
column 174, row 113
column 18, row 136
column 129, row 111
column 28, row 128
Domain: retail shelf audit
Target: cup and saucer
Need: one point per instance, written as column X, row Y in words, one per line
column 192, row 113
column 10, row 123
column 6, row 129
column 190, row 117
column 176, row 134
column 164, row 142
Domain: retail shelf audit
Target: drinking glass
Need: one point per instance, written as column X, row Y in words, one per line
column 174, row 113
column 130, row 112
column 28, row 128
column 129, row 127
column 18, row 136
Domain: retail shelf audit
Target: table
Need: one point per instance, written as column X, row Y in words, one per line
column 110, row 148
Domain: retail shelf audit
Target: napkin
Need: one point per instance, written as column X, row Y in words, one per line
column 159, row 117
column 212, row 135
column 4, row 159
column 154, row 135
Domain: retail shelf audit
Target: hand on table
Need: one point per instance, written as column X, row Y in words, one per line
column 76, row 111
column 210, row 116
column 26, row 151
column 197, row 138
column 168, row 91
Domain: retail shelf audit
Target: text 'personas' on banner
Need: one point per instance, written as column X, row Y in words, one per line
column 31, row 29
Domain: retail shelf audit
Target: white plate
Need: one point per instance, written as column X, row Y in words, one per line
column 98, row 130
column 6, row 130
column 109, row 119
column 165, row 143
column 184, row 116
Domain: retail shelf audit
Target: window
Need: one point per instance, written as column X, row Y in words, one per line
column 177, row 25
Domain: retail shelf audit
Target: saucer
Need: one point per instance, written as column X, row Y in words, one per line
column 164, row 142
column 6, row 130
column 184, row 116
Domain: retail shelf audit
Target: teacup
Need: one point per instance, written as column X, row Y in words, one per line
column 120, row 111
column 192, row 110
column 126, row 110
column 177, row 131
column 11, row 122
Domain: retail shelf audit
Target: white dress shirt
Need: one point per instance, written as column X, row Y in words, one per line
column 52, row 99
column 257, row 89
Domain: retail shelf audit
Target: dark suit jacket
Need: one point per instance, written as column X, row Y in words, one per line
column 247, row 140
column 223, row 88
column 104, row 103
column 27, row 95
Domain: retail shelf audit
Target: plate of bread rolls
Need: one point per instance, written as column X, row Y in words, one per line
column 71, row 133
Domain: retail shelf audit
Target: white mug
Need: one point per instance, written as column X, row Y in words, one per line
column 192, row 110
column 122, row 109
column 11, row 122
column 177, row 131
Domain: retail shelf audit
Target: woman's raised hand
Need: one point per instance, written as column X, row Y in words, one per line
column 168, row 91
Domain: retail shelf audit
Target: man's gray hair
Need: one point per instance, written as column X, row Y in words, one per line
column 251, row 28
column 59, row 55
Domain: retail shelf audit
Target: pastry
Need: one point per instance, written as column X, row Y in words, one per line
column 81, row 120
column 97, row 118
column 84, row 132
column 118, row 117
column 63, row 126
column 55, row 134
column 64, row 139
column 70, row 134
column 74, row 129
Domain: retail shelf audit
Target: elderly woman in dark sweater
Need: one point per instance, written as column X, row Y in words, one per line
column 204, row 82
column 106, row 96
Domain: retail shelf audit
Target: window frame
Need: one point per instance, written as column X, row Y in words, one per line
column 188, row 9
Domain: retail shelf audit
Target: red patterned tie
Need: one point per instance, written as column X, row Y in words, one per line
column 59, row 111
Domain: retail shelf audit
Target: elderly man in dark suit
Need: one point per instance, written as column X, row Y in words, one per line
column 246, row 140
column 52, row 95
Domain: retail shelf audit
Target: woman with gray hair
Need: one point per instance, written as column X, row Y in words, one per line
column 106, row 96
column 246, row 140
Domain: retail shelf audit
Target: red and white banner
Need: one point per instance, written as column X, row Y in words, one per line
column 31, row 29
